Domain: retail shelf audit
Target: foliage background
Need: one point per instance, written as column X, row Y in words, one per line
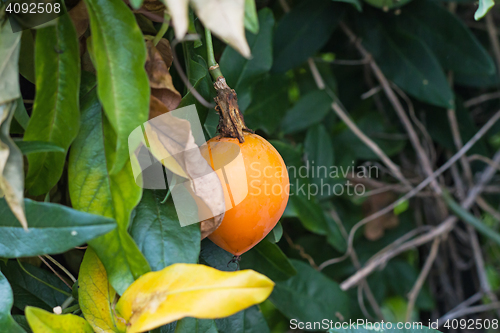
column 417, row 78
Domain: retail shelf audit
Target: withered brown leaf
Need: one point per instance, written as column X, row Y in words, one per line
column 159, row 60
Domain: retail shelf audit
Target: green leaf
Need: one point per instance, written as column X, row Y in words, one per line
column 269, row 103
column 355, row 3
column 20, row 114
column 213, row 256
column 53, row 228
column 42, row 321
column 372, row 124
column 309, row 296
column 302, row 199
column 467, row 217
column 251, row 20
column 450, row 40
column 29, row 288
column 250, row 320
column 136, row 4
column 7, row 323
column 408, row 62
column 199, row 77
column 319, row 151
column 29, row 147
column 23, row 322
column 159, row 235
column 275, row 235
column 9, row 56
column 268, row 259
column 483, row 9
column 55, row 116
column 303, row 31
column 241, row 73
column 193, row 325
column 309, row 110
column 387, row 4
column 27, row 56
column 119, row 53
column 93, row 189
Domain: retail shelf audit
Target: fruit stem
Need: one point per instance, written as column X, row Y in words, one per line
column 213, row 66
column 231, row 122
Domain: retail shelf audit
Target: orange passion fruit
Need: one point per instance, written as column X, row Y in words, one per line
column 256, row 189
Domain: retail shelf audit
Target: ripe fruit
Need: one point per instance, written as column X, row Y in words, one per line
column 255, row 195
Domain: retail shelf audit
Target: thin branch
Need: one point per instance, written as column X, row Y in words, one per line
column 492, row 33
column 438, row 231
column 346, row 62
column 393, row 99
column 183, row 76
column 487, row 208
column 61, row 267
column 471, row 310
column 371, row 144
column 426, row 182
column 481, row 99
column 415, row 290
column 54, row 271
column 481, row 158
column 301, row 250
column 469, row 301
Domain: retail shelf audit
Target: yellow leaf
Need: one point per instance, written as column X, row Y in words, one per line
column 42, row 321
column 96, row 295
column 189, row 290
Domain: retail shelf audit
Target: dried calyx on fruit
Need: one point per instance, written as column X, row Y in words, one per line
column 253, row 174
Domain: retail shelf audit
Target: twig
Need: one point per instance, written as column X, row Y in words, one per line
column 441, row 229
column 357, row 265
column 471, row 300
column 481, row 99
column 492, row 33
column 301, row 250
column 487, row 208
column 346, row 62
column 424, row 183
column 481, row 158
column 415, row 290
column 472, row 309
column 61, row 267
column 183, row 76
column 55, row 272
column 370, row 143
column 476, row 248
column 41, row 281
column 393, row 99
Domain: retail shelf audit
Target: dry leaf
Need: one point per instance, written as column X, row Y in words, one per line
column 157, row 65
column 80, row 17
column 225, row 18
column 171, row 142
column 178, row 10
column 375, row 229
column 189, row 290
